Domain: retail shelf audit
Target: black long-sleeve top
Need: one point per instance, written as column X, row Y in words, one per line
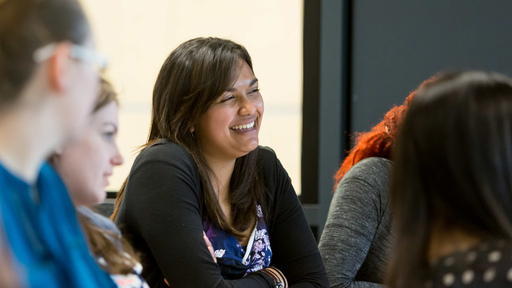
column 161, row 215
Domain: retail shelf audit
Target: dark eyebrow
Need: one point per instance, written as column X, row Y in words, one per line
column 250, row 84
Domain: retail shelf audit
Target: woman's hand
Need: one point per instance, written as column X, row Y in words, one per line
column 210, row 247
column 277, row 275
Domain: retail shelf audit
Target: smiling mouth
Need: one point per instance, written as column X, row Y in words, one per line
column 243, row 127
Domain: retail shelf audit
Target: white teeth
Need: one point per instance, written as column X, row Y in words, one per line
column 244, row 126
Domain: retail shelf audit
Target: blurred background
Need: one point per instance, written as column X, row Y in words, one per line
column 327, row 68
column 137, row 36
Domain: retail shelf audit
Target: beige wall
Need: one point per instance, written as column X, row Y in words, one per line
column 138, row 35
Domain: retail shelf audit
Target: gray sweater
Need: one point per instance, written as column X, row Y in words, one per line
column 356, row 241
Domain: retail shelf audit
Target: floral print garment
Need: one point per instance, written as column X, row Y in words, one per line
column 234, row 260
column 132, row 280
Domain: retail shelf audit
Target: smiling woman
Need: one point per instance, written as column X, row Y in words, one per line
column 229, row 128
column 202, row 172
column 137, row 38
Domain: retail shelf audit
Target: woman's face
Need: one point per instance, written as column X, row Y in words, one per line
column 229, row 128
column 86, row 163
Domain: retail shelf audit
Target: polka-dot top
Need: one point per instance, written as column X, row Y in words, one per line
column 488, row 264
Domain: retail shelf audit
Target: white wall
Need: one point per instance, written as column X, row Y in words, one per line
column 137, row 36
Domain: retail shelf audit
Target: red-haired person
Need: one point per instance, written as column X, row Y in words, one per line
column 356, row 241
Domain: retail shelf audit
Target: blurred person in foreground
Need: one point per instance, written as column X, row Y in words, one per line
column 451, row 190
column 48, row 86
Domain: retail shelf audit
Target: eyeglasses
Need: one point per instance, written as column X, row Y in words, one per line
column 77, row 52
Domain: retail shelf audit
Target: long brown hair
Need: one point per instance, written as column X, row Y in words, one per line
column 194, row 75
column 453, row 161
column 117, row 260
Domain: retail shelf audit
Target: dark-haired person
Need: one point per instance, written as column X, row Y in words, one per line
column 451, row 190
column 202, row 171
column 48, row 87
column 356, row 241
column 85, row 165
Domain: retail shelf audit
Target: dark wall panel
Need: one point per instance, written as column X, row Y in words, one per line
column 310, row 101
column 398, row 44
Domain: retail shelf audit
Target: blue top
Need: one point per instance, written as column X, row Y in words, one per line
column 43, row 231
column 234, row 260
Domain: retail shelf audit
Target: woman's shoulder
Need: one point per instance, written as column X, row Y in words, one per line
column 269, row 164
column 370, row 168
column 164, row 150
column 266, row 154
column 366, row 178
column 164, row 147
column 170, row 161
column 487, row 264
column 98, row 220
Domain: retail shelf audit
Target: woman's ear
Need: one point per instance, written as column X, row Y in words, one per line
column 57, row 66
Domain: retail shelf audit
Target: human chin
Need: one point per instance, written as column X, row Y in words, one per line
column 94, row 195
column 250, row 146
column 98, row 196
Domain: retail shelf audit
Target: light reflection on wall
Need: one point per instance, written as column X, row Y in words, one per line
column 137, row 36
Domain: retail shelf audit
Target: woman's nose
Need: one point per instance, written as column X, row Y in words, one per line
column 118, row 158
column 247, row 107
